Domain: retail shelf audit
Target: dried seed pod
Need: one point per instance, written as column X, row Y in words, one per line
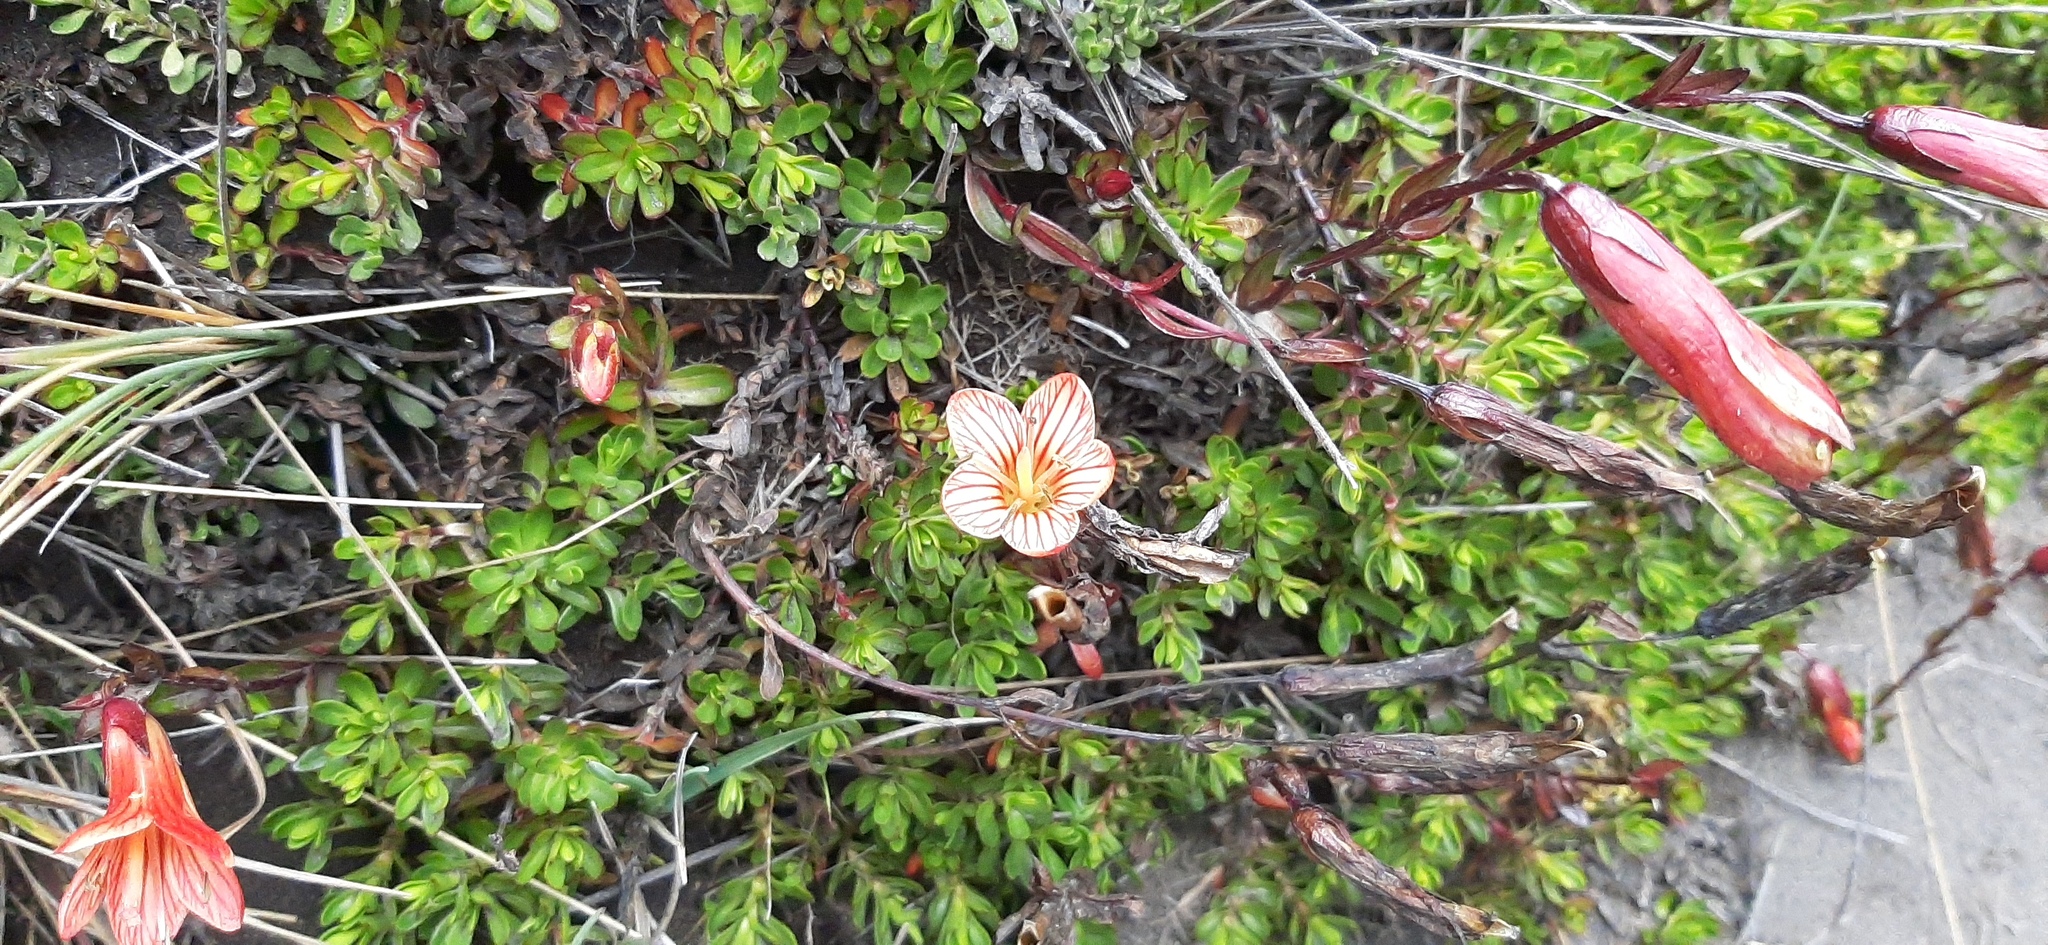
column 1447, row 663
column 1861, row 512
column 1840, row 570
column 1484, row 417
column 1328, row 840
column 1446, row 758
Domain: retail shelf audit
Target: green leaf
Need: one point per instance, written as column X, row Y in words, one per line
column 129, row 52
column 174, row 60
column 996, row 21
column 340, row 13
column 409, row 409
column 692, row 782
column 70, row 23
column 292, row 59
column 542, row 15
column 702, row 385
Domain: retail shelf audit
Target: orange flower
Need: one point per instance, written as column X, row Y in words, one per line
column 150, row 860
column 1025, row 477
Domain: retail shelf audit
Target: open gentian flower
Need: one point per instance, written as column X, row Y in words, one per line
column 151, row 861
column 1998, row 158
column 1762, row 399
column 1025, row 476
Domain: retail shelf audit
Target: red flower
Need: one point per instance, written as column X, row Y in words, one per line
column 2000, row 159
column 594, row 359
column 1765, row 402
column 1025, row 477
column 151, row 861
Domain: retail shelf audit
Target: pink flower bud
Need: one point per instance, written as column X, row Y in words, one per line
column 1763, row 401
column 594, row 360
column 2000, row 159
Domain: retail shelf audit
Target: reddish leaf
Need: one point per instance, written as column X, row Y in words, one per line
column 553, row 106
column 1431, row 227
column 1672, row 75
column 1649, row 779
column 1319, row 351
column 1704, row 89
column 1498, row 149
column 1422, row 182
column 629, row 114
column 658, row 64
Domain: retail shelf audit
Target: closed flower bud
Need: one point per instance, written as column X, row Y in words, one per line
column 1828, row 697
column 1765, row 402
column 1965, row 148
column 594, row 360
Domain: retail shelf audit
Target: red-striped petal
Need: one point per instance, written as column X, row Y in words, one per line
column 984, row 424
column 1042, row 534
column 1060, row 419
column 1088, row 475
column 976, row 498
column 87, row 890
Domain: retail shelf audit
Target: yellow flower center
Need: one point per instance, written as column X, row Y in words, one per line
column 1028, row 494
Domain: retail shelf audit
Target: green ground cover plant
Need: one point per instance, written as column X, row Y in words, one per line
column 605, row 581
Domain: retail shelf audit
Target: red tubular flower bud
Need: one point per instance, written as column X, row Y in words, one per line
column 594, row 360
column 1828, row 698
column 1765, row 402
column 1847, row 737
column 1965, row 148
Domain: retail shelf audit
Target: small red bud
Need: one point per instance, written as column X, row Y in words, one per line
column 1113, row 184
column 1828, row 698
column 1847, row 737
column 2037, row 563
